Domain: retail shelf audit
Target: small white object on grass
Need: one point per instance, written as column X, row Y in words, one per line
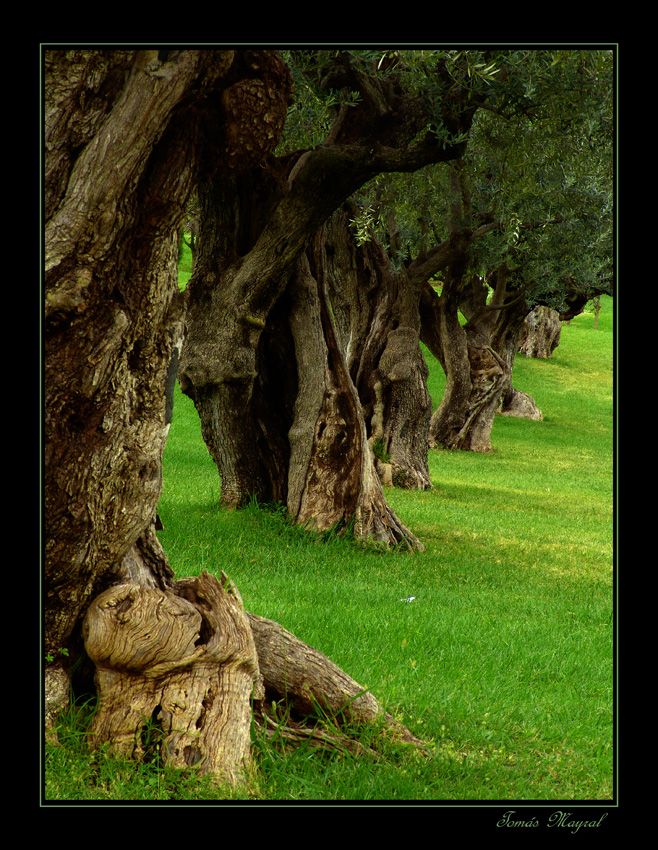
column 408, row 599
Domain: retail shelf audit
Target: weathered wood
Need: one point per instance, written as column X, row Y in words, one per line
column 541, row 333
column 332, row 478
column 178, row 672
column 310, row 684
column 176, row 668
column 129, row 135
column 239, row 279
column 378, row 327
column 125, row 142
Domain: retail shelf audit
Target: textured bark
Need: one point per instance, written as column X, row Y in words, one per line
column 236, row 288
column 378, row 324
column 332, row 479
column 175, row 671
column 541, row 333
column 313, row 686
column 446, row 339
column 128, row 136
column 489, row 378
column 182, row 673
column 306, row 679
column 509, row 334
column 123, row 142
column 327, row 443
column 239, row 282
column 477, row 373
column 230, row 353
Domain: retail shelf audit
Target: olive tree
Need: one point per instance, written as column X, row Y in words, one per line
column 522, row 219
column 128, row 136
column 263, row 359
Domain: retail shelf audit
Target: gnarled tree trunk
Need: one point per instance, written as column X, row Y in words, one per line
column 279, row 410
column 540, row 335
column 508, row 339
column 239, row 285
column 230, row 350
column 175, row 670
column 183, row 673
column 123, row 139
column 378, row 324
column 332, row 478
column 128, row 135
column 477, row 374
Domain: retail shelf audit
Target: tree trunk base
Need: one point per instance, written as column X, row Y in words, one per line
column 541, row 333
column 182, row 673
column 175, row 672
column 489, row 379
column 522, row 405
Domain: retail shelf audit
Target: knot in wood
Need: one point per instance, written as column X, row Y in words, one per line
column 134, row 628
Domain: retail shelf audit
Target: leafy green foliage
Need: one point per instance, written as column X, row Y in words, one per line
column 535, row 185
column 539, row 159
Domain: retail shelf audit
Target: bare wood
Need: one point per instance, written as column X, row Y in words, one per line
column 311, row 684
column 181, row 663
column 176, row 671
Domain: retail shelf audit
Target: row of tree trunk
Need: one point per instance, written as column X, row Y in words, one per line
column 315, row 394
column 300, row 350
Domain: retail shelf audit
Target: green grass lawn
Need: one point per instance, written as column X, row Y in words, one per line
column 503, row 661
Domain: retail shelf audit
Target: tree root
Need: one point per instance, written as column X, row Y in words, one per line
column 192, row 666
column 315, row 693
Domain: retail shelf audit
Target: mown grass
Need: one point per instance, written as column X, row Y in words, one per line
column 503, row 661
